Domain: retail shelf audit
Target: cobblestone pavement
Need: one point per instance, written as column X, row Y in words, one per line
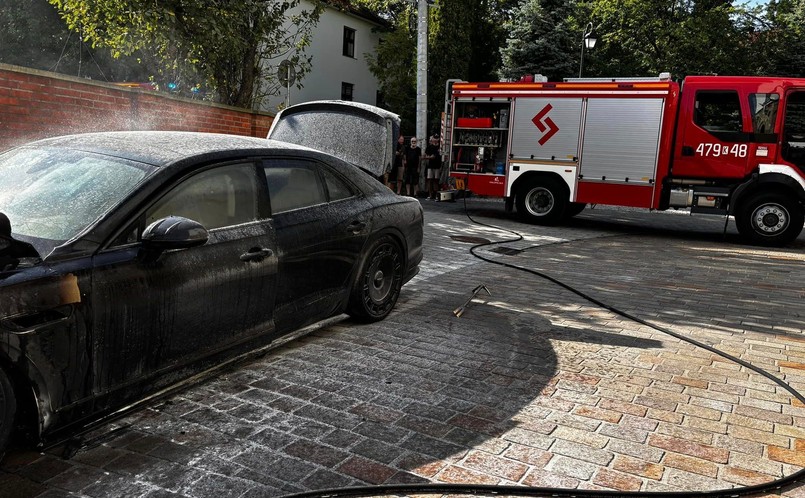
column 531, row 386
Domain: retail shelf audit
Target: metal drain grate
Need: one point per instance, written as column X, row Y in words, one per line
column 508, row 251
column 469, row 240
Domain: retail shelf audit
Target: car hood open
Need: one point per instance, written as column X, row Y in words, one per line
column 361, row 134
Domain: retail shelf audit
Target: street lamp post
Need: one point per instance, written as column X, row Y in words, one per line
column 587, row 40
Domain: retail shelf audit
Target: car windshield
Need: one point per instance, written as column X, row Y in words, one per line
column 52, row 195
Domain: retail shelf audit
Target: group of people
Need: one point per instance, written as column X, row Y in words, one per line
column 406, row 169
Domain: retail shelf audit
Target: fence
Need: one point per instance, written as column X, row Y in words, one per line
column 38, row 104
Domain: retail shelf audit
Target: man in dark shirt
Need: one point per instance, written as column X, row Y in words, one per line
column 434, row 168
column 413, row 154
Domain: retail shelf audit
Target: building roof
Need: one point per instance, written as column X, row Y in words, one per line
column 358, row 11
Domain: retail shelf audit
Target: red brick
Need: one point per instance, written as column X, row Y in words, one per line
column 598, row 414
column 421, row 465
column 474, row 424
column 495, row 465
column 791, row 364
column 702, row 451
column 366, row 470
column 615, row 480
column 48, row 106
column 619, row 406
column 588, row 380
column 744, row 477
column 531, row 456
column 458, row 475
column 685, row 381
column 376, row 413
column 787, row 456
column 639, row 467
column 688, row 464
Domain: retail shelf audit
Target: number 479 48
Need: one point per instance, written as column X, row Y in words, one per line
column 718, row 150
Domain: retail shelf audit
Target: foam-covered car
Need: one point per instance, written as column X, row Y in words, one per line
column 130, row 261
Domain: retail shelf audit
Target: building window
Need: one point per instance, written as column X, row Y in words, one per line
column 346, row 91
column 349, row 42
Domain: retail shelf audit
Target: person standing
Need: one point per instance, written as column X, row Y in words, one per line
column 413, row 154
column 397, row 170
column 434, row 168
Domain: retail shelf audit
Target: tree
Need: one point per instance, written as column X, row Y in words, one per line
column 781, row 38
column 394, row 65
column 35, row 36
column 464, row 43
column 542, row 39
column 646, row 37
column 227, row 43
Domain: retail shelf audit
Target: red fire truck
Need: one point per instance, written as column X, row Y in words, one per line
column 716, row 145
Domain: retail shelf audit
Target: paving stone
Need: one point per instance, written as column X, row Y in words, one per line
column 614, row 480
column 366, row 470
column 533, row 386
column 492, row 464
column 571, row 467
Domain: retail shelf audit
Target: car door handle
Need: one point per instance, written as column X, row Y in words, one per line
column 356, row 226
column 256, row 254
column 687, row 150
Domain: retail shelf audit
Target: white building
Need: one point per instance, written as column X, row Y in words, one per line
column 339, row 44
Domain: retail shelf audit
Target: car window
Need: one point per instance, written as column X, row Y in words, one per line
column 224, row 196
column 293, row 185
column 718, row 111
column 337, row 188
column 51, row 195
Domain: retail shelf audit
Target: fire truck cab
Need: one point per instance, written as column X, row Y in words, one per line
column 715, row 145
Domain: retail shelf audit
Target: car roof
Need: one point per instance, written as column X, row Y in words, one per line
column 161, row 148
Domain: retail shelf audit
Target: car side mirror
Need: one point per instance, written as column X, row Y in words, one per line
column 173, row 232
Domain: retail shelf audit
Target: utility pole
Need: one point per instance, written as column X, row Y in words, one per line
column 422, row 72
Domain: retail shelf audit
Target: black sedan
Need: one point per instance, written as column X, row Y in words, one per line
column 132, row 260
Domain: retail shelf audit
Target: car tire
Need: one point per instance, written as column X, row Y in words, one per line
column 542, row 201
column 379, row 280
column 8, row 407
column 769, row 219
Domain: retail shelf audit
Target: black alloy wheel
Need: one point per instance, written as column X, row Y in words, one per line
column 379, row 281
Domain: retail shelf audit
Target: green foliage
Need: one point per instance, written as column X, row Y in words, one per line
column 394, row 65
column 35, row 36
column 463, row 40
column 781, row 38
column 646, row 37
column 542, row 39
column 228, row 44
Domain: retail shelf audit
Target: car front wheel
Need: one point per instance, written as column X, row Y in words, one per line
column 379, row 281
column 770, row 219
column 8, row 406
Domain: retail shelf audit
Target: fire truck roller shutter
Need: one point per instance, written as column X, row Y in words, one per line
column 626, row 151
column 546, row 128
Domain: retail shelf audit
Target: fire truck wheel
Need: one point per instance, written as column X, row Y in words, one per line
column 770, row 219
column 574, row 208
column 8, row 407
column 542, row 201
column 379, row 280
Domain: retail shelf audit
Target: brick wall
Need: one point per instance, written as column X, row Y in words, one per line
column 38, row 104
